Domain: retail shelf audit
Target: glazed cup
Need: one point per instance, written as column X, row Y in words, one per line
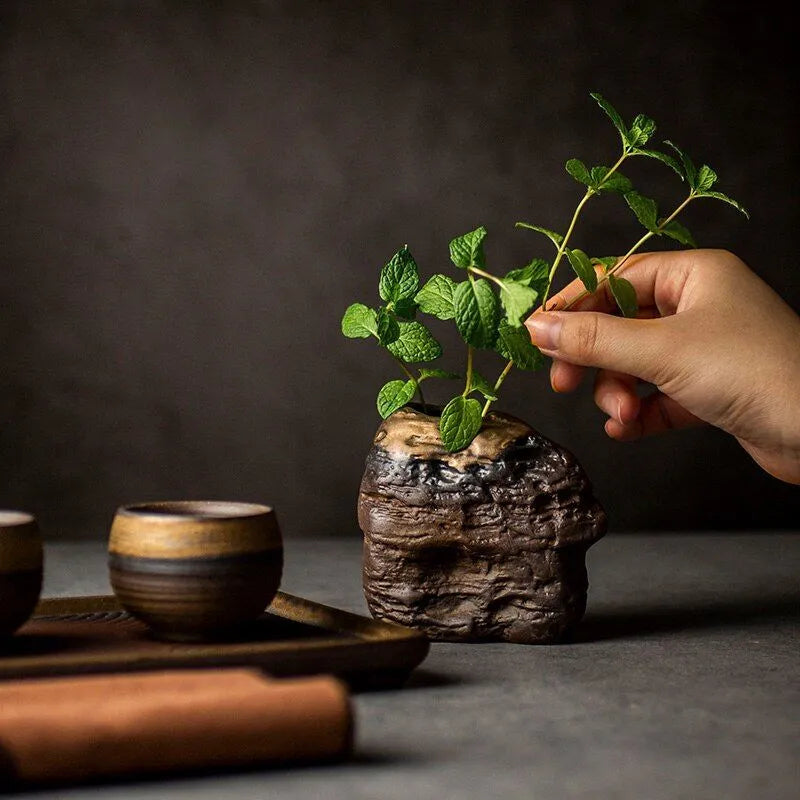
column 195, row 570
column 21, row 560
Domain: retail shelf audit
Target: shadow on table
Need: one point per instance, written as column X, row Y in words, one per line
column 365, row 759
column 742, row 611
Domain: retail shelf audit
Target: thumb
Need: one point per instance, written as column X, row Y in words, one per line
column 638, row 347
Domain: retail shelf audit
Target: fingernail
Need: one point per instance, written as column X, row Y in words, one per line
column 545, row 330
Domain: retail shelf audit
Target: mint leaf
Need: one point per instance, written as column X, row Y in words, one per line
column 689, row 170
column 642, row 128
column 399, row 278
column 583, row 268
column 514, row 344
column 415, row 343
column 613, row 115
column 624, row 294
column 436, row 297
column 645, row 209
column 388, row 329
column 706, row 178
column 467, row 251
column 606, row 262
column 394, row 395
column 476, row 312
column 480, row 384
column 425, row 373
column 555, row 238
column 460, row 422
column 725, row 199
column 405, row 308
column 616, row 182
column 678, row 232
column 536, row 274
column 578, row 170
column 359, row 322
column 659, row 156
column 517, row 300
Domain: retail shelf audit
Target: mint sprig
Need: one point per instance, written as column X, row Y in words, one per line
column 489, row 308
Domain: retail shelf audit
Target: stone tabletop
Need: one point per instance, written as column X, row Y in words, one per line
column 684, row 682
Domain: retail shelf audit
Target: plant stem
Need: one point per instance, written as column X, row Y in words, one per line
column 559, row 255
column 562, row 248
column 468, row 385
column 488, row 275
column 417, row 384
column 497, row 384
column 618, row 266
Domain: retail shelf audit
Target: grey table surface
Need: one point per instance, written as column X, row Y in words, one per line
column 684, row 682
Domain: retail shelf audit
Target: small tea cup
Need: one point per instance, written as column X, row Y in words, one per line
column 195, row 570
column 21, row 560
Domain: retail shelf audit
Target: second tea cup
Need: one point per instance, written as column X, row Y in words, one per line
column 194, row 570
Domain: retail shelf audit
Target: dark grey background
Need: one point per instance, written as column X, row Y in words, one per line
column 193, row 192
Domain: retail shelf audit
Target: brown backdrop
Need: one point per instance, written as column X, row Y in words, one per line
column 193, row 192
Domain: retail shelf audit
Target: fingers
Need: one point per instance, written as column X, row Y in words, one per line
column 565, row 377
column 658, row 279
column 615, row 394
column 644, row 348
column 658, row 413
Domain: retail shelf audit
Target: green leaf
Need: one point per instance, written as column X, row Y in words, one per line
column 613, row 115
column 642, row 128
column 706, row 178
column 577, row 169
column 616, row 182
column 388, row 329
column 405, row 308
column 476, row 312
column 515, row 345
column 536, row 274
column 555, row 238
column 689, row 170
column 467, row 251
column 480, row 384
column 659, row 156
column 359, row 322
column 517, row 300
column 583, row 268
column 394, row 395
column 645, row 209
column 399, row 278
column 725, row 199
column 415, row 343
column 460, row 422
column 679, row 233
column 624, row 294
column 425, row 373
column 436, row 297
column 606, row 262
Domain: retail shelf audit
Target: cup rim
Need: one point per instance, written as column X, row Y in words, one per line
column 199, row 510
column 12, row 518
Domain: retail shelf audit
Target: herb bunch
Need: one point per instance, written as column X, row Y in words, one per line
column 489, row 310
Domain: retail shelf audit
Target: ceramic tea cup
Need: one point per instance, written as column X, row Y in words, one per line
column 195, row 570
column 20, row 569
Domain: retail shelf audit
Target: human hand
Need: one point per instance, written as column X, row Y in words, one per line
column 719, row 345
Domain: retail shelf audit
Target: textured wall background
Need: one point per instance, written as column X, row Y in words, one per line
column 191, row 193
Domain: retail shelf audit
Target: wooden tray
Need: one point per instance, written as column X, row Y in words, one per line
column 74, row 635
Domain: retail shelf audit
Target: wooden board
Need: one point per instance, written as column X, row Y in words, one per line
column 75, row 635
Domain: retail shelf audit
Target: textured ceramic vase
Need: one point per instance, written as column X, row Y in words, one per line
column 487, row 544
column 195, row 570
column 20, row 569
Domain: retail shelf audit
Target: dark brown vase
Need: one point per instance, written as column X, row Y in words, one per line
column 487, row 544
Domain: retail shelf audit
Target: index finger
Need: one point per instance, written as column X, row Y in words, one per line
column 658, row 279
